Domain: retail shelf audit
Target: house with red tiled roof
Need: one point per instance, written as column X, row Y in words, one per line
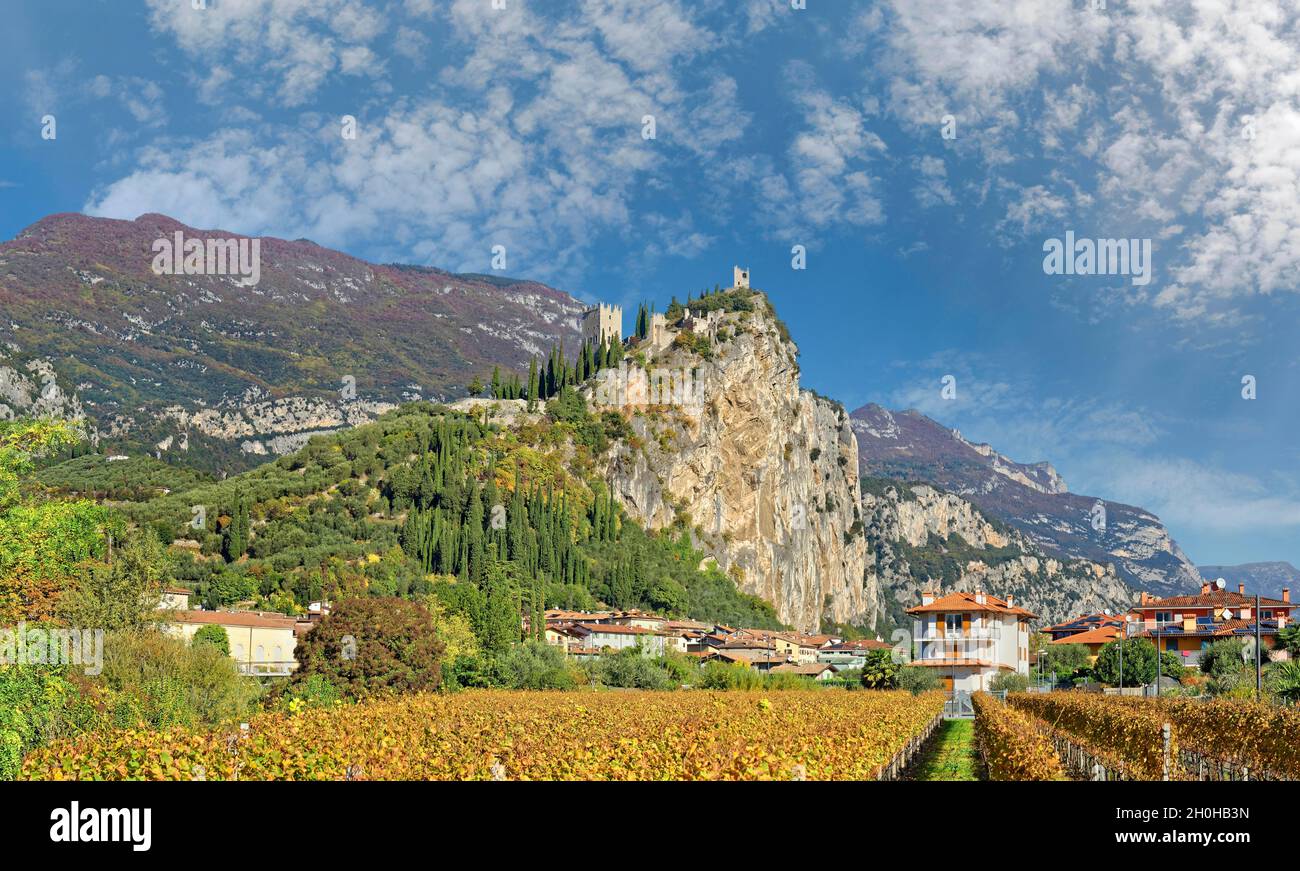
column 849, row 654
column 1081, row 624
column 968, row 638
column 261, row 643
column 617, row 636
column 1189, row 624
column 1094, row 639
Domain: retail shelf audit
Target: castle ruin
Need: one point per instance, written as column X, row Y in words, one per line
column 602, row 324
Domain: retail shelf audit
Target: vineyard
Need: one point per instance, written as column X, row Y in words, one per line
column 1155, row 739
column 496, row 735
column 1013, row 744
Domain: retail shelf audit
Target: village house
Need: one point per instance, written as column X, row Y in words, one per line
column 1094, row 639
column 1189, row 624
column 1080, row 625
column 817, row 670
column 970, row 637
column 795, row 648
column 849, row 654
column 261, row 644
column 174, row 599
column 617, row 636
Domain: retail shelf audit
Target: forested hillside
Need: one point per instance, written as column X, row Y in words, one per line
column 425, row 500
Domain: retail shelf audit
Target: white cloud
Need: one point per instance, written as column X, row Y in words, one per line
column 828, row 181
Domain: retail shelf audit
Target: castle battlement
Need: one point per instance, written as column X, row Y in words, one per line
column 602, row 323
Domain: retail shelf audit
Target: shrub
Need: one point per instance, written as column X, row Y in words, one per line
column 630, row 669
column 312, row 691
column 917, row 679
column 1224, row 659
column 372, row 645
column 38, row 704
column 155, row 680
column 1009, row 682
column 535, row 665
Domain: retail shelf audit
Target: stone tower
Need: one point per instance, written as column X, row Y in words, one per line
column 602, row 323
column 740, row 277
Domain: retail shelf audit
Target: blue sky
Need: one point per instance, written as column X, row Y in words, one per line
column 775, row 127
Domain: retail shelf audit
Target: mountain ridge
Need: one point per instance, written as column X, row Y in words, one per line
column 909, row 445
column 235, row 372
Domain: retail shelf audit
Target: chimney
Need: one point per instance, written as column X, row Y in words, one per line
column 1286, row 594
column 1145, row 597
column 1011, row 601
column 1205, row 588
column 1241, row 589
column 927, row 597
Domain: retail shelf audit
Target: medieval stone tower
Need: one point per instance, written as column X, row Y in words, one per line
column 602, row 323
column 740, row 277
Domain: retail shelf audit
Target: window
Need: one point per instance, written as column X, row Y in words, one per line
column 1164, row 616
column 952, row 624
column 1171, row 644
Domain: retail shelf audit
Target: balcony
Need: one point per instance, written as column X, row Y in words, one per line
column 975, row 633
column 267, row 669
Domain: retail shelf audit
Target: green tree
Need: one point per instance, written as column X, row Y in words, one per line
column 1139, row 661
column 917, row 679
column 372, row 645
column 234, row 538
column 214, row 635
column 1064, row 660
column 125, row 594
column 44, row 543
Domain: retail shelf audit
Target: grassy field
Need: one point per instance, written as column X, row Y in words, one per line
column 951, row 754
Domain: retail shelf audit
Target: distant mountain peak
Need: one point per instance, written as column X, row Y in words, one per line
column 1032, row 497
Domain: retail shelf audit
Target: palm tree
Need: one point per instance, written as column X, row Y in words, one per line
column 1284, row 680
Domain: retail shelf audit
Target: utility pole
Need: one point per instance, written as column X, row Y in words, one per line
column 1259, row 674
column 1160, row 671
column 1123, row 639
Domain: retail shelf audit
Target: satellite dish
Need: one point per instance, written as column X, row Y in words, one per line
column 1106, row 611
column 1227, row 614
column 1220, row 583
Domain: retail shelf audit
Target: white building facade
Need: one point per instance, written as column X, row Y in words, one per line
column 969, row 638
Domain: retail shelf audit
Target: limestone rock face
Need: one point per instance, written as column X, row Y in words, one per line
column 765, row 474
column 921, row 537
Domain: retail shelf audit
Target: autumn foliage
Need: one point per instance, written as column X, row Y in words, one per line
column 1127, row 737
column 485, row 735
column 1013, row 745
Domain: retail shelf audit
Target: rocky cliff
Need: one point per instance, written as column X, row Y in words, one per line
column 726, row 442
column 919, row 536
